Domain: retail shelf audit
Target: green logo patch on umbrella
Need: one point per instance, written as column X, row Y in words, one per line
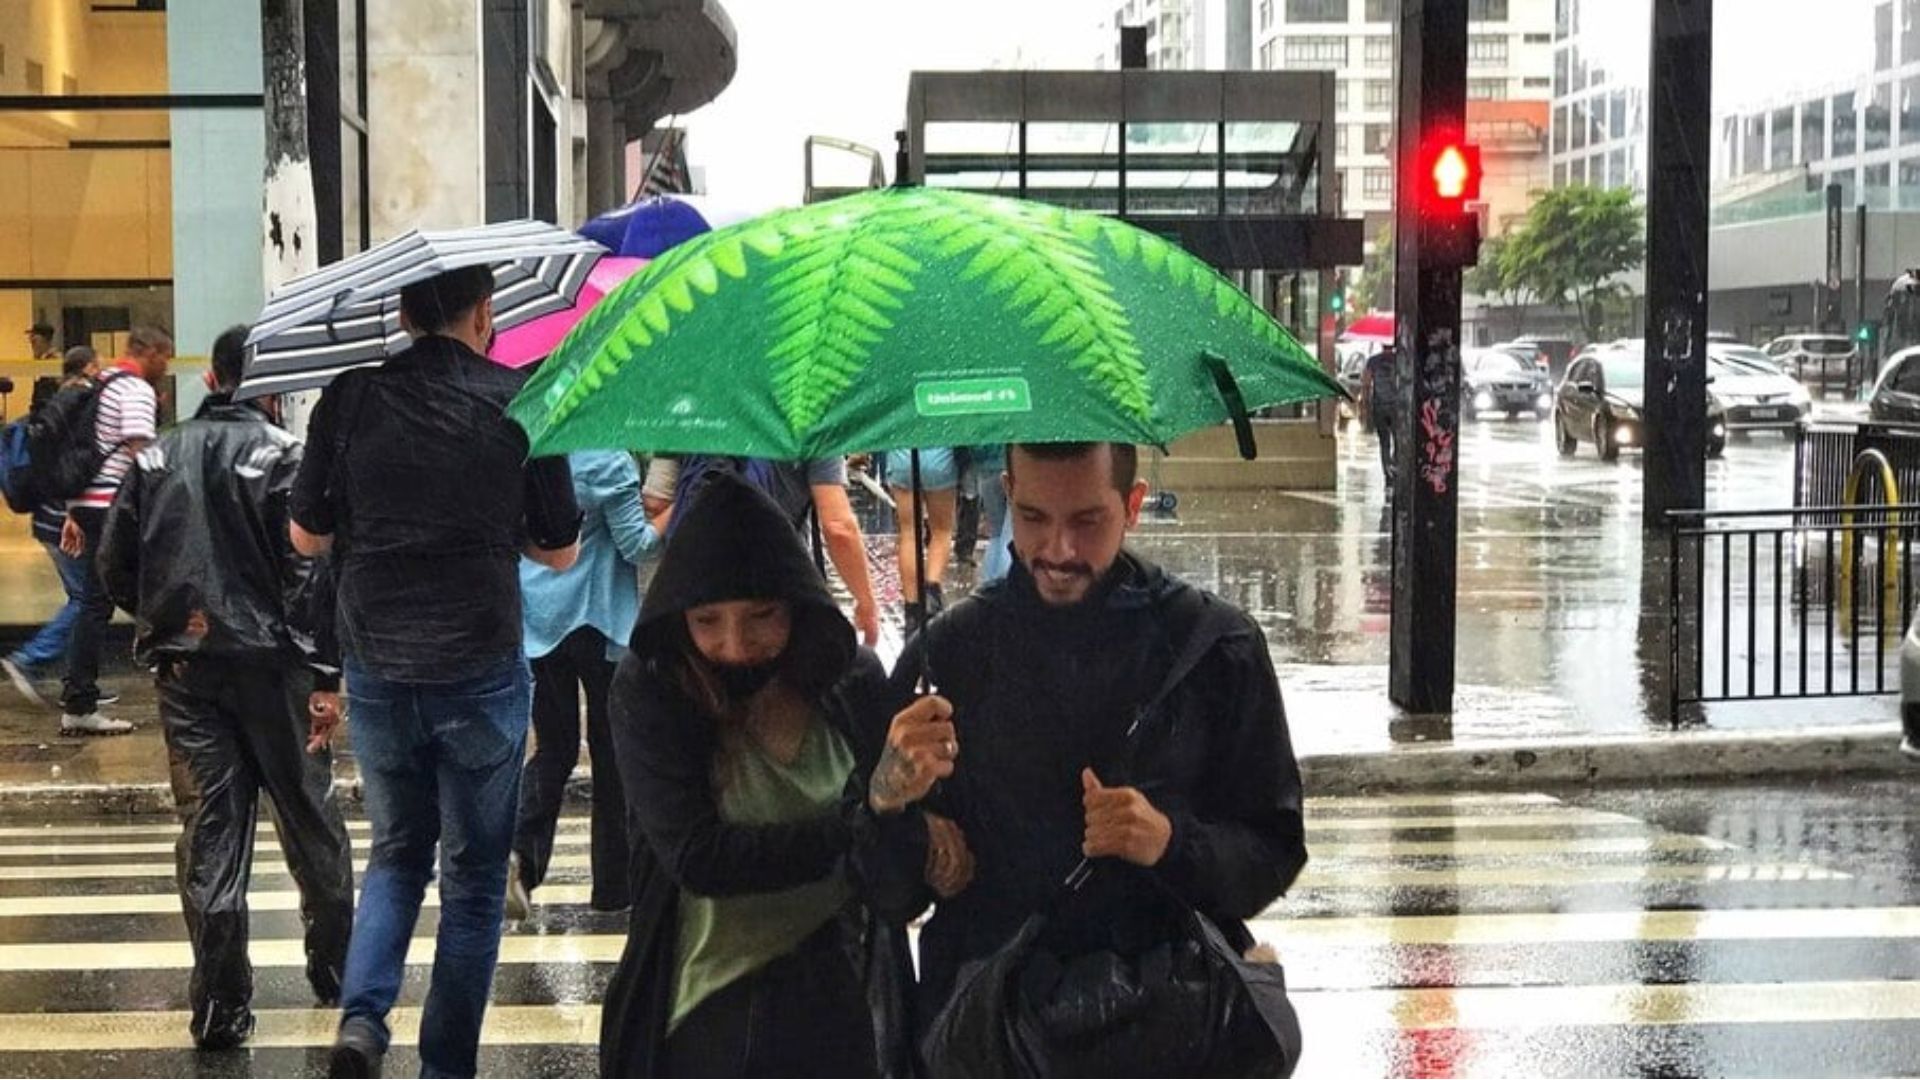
column 972, row 397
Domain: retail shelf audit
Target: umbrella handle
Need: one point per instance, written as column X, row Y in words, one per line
column 1236, row 404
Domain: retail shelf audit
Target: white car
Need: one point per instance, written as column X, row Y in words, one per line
column 1754, row 395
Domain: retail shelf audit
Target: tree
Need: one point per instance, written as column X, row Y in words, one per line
column 1376, row 275
column 1491, row 279
column 1574, row 242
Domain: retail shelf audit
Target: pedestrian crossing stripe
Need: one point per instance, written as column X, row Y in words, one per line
column 1728, row 924
column 110, row 843
column 1596, row 927
column 562, row 894
column 1334, row 1013
column 1581, row 845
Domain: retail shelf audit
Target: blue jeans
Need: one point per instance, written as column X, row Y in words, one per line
column 441, row 767
column 50, row 643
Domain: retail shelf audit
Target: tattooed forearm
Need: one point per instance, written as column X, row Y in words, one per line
column 892, row 784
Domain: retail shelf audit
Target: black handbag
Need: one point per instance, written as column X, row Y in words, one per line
column 1185, row 1003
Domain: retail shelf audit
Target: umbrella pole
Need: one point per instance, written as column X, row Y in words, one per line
column 919, row 542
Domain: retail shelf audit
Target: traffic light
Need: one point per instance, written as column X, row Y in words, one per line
column 1864, row 334
column 1449, row 178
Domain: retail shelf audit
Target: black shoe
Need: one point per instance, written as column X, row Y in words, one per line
column 325, row 980
column 356, row 1051
column 224, row 1027
column 936, row 602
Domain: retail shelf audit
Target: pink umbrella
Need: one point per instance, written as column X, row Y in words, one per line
column 528, row 342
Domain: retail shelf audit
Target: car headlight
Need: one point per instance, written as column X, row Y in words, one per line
column 1483, row 400
column 1801, row 397
column 1717, row 403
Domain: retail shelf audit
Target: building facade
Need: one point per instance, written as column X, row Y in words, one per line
column 1509, row 59
column 134, row 153
column 1182, row 35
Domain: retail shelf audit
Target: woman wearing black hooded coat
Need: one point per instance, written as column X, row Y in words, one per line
column 738, row 718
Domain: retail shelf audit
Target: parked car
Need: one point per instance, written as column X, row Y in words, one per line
column 1822, row 361
column 1754, row 396
column 1748, row 354
column 1495, row 380
column 1601, row 401
column 1896, row 393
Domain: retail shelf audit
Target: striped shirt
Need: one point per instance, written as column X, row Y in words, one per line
column 129, row 411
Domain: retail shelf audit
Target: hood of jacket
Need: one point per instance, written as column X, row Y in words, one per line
column 733, row 542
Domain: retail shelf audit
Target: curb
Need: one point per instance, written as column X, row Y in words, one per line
column 1860, row 750
column 1614, row 760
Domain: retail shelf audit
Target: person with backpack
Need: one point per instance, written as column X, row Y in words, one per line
column 28, row 665
column 197, row 549
column 114, row 424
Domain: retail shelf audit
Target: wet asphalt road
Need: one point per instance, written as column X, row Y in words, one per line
column 1765, row 931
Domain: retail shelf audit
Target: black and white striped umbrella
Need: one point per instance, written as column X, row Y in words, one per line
column 347, row 315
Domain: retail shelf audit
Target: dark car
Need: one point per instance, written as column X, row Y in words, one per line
column 1495, row 380
column 1601, row 402
column 1896, row 394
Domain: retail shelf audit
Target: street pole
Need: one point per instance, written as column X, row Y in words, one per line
column 1427, row 272
column 1679, row 148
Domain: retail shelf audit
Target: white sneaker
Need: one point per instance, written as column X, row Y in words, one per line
column 22, row 680
column 92, row 724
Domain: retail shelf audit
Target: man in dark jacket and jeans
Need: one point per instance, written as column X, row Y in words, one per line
column 1038, row 679
column 416, row 472
column 196, row 548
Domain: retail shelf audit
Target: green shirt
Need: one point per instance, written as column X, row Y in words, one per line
column 725, row 938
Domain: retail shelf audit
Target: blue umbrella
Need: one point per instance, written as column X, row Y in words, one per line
column 647, row 228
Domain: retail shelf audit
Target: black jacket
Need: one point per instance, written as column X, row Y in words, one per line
column 196, row 546
column 1040, row 693
column 732, row 544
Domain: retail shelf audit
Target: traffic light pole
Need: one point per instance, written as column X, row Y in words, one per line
column 1679, row 149
column 1428, row 260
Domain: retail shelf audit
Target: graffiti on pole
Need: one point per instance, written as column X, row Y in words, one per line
column 1439, row 420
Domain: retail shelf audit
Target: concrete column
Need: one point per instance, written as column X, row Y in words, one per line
column 425, row 144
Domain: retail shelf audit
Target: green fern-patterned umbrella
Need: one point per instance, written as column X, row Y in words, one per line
column 913, row 317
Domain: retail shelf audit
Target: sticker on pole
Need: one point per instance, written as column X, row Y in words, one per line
column 972, row 397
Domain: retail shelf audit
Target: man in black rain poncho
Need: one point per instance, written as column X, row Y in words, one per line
column 196, row 548
column 1045, row 671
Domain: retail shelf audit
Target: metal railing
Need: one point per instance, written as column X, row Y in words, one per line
column 1825, row 452
column 1805, row 603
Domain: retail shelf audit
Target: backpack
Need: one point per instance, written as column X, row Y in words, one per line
column 52, row 455
column 697, row 469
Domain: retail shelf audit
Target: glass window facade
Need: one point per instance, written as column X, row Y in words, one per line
column 1780, row 151
column 1813, row 131
column 1315, row 52
column 1877, row 119
column 1307, row 11
column 1846, row 126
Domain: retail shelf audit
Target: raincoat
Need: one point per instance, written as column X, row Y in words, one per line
column 196, row 547
column 734, row 543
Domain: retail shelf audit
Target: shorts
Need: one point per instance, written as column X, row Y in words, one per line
column 938, row 471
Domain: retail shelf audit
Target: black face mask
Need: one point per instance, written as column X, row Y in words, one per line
column 742, row 681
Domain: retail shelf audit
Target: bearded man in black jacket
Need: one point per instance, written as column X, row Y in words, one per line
column 1088, row 706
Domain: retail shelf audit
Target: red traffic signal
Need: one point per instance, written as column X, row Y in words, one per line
column 1450, row 174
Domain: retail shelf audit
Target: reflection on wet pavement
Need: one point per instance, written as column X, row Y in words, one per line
column 1691, row 931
